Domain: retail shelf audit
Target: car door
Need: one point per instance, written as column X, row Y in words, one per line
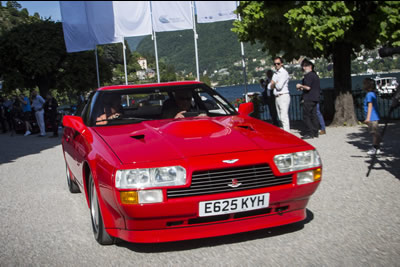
column 69, row 149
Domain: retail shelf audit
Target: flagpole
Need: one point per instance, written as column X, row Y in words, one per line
column 195, row 42
column 244, row 70
column 153, row 36
column 124, row 53
column 97, row 68
column 156, row 53
column 243, row 63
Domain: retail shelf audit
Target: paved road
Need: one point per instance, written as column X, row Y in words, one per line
column 352, row 220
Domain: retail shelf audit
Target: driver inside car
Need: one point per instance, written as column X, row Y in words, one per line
column 112, row 109
column 181, row 106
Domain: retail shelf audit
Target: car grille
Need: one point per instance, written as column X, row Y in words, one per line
column 216, row 181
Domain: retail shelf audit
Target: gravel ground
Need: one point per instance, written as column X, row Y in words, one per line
column 353, row 220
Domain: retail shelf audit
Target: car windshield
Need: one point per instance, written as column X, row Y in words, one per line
column 125, row 106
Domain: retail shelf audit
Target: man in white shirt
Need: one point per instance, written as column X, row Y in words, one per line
column 37, row 105
column 279, row 83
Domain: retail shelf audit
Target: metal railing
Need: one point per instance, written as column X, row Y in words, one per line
column 327, row 107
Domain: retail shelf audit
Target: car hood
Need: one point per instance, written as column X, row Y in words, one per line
column 182, row 138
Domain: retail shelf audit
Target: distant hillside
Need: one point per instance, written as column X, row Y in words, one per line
column 218, row 48
column 133, row 42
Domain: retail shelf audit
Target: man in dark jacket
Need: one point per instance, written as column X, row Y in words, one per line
column 311, row 92
column 50, row 108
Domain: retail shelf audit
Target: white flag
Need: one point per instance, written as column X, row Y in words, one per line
column 100, row 15
column 213, row 11
column 171, row 15
column 132, row 18
column 75, row 27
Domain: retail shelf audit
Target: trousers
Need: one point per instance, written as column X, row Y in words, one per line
column 310, row 117
column 282, row 103
column 40, row 120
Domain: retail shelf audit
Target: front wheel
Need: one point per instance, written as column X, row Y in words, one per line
column 99, row 231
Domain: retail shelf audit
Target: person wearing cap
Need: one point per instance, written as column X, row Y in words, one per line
column 311, row 92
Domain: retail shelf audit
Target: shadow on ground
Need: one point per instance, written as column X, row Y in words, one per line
column 390, row 157
column 217, row 241
column 17, row 146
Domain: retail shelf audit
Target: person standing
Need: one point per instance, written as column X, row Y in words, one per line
column 3, row 119
column 311, row 92
column 279, row 85
column 26, row 109
column 321, row 120
column 269, row 98
column 37, row 105
column 50, row 107
column 372, row 115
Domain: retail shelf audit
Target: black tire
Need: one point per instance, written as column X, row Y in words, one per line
column 99, row 231
column 72, row 186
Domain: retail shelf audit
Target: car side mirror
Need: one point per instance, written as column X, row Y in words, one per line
column 74, row 122
column 246, row 108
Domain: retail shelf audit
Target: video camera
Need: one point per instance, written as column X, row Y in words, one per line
column 388, row 51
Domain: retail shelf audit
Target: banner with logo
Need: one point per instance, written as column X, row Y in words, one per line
column 213, row 11
column 75, row 27
column 171, row 15
column 132, row 18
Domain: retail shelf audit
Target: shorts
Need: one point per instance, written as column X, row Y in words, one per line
column 373, row 127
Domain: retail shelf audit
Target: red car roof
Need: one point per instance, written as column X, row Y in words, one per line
column 119, row 87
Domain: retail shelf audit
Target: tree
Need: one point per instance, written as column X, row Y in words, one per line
column 333, row 29
column 34, row 54
column 13, row 4
column 36, row 51
column 11, row 17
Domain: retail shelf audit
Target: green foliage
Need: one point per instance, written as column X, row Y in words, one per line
column 312, row 28
column 34, row 55
column 389, row 27
column 35, row 50
column 10, row 16
column 13, row 4
column 265, row 22
column 322, row 22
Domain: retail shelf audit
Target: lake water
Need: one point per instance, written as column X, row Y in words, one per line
column 231, row 93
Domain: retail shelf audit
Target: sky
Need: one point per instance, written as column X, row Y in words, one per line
column 45, row 9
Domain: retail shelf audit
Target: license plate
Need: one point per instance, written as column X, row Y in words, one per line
column 233, row 205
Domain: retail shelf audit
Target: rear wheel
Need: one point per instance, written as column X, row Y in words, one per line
column 99, row 231
column 72, row 186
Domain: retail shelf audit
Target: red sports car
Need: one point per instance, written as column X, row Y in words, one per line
column 175, row 161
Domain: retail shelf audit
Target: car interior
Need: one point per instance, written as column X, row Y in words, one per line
column 151, row 104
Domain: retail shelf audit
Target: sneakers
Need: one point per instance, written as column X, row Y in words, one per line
column 321, row 132
column 27, row 133
column 374, row 151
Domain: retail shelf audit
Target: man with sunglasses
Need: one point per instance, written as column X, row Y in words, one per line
column 279, row 85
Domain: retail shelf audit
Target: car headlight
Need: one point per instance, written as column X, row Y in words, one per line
column 297, row 161
column 151, row 177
